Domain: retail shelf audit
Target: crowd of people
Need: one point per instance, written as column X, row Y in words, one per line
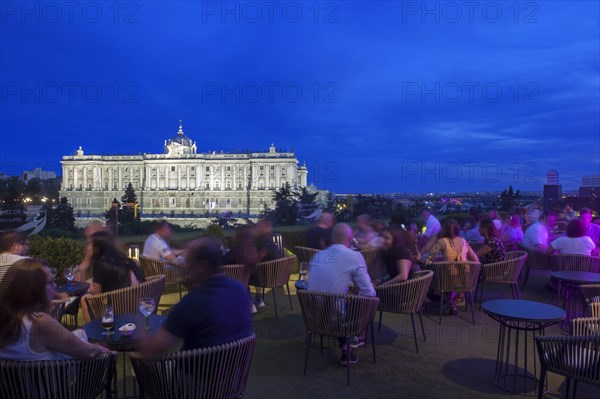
column 218, row 309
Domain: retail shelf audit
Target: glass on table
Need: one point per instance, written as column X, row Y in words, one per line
column 108, row 320
column 69, row 273
column 147, row 306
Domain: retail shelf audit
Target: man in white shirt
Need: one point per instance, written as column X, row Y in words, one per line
column 13, row 246
column 155, row 246
column 432, row 225
column 536, row 235
column 335, row 268
column 593, row 230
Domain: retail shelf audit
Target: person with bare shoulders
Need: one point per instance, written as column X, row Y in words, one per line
column 27, row 332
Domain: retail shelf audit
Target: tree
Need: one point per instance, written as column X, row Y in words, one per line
column 306, row 201
column 11, row 190
column 128, row 213
column 62, row 217
column 286, row 206
column 508, row 198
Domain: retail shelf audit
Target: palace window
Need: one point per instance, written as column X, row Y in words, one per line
column 172, row 168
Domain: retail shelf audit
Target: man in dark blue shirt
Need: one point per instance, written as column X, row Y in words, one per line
column 215, row 312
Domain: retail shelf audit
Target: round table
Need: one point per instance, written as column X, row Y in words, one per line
column 573, row 302
column 516, row 316
column 119, row 342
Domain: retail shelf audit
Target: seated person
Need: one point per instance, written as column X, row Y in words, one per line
column 377, row 242
column 471, row 231
column 493, row 248
column 156, row 247
column 244, row 253
column 215, row 312
column 26, row 331
column 575, row 242
column 84, row 269
column 111, row 269
column 319, row 236
column 513, row 231
column 399, row 254
column 365, row 232
column 536, row 235
column 267, row 250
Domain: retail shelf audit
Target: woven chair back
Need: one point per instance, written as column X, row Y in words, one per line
column 575, row 263
column 536, row 259
column 218, row 372
column 585, row 326
column 455, row 276
column 336, row 315
column 305, row 254
column 154, row 267
column 65, row 379
column 506, row 271
column 407, row 296
column 274, row 273
column 238, row 273
column 127, row 300
column 372, row 260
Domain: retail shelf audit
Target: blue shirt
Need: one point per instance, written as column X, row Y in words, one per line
column 215, row 313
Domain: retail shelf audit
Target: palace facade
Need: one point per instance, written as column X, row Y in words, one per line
column 181, row 185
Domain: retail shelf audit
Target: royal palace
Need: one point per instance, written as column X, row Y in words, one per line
column 182, row 185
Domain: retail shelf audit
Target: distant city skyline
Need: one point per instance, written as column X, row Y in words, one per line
column 376, row 97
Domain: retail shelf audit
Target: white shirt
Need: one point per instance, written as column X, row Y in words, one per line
column 574, row 245
column 514, row 234
column 594, row 233
column 432, row 226
column 335, row 268
column 6, row 260
column 156, row 248
column 536, row 234
column 498, row 224
column 20, row 349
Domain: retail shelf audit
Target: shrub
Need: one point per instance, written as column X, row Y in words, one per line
column 214, row 230
column 59, row 252
column 55, row 233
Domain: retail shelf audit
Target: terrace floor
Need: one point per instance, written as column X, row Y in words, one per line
column 456, row 361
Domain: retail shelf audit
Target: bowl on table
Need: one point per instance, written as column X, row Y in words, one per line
column 127, row 329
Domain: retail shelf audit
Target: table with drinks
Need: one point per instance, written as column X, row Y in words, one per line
column 114, row 332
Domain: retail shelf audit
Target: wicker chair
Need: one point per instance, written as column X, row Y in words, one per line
column 506, row 272
column 175, row 274
column 595, row 309
column 274, row 273
column 336, row 315
column 57, row 309
column 590, row 293
column 65, row 379
column 537, row 260
column 585, row 326
column 455, row 277
column 127, row 300
column 304, row 254
column 371, row 259
column 575, row 263
column 278, row 240
column 237, row 273
column 218, row 372
column 575, row 357
column 406, row 297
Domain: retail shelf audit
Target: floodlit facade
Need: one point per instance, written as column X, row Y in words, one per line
column 180, row 184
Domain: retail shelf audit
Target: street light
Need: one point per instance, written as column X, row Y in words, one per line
column 115, row 205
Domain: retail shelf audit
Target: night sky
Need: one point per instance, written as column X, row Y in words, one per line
column 395, row 96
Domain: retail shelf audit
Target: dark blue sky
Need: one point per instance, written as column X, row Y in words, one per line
column 375, row 97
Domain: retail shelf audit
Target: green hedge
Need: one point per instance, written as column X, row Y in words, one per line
column 58, row 252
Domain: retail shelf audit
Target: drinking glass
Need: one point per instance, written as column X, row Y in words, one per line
column 69, row 273
column 147, row 306
column 108, row 320
column 53, row 272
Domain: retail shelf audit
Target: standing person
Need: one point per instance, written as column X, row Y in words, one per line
column 27, row 332
column 215, row 312
column 493, row 248
column 319, row 236
column 592, row 229
column 335, row 268
column 156, row 247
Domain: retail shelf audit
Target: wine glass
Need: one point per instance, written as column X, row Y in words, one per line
column 53, row 272
column 108, row 320
column 69, row 273
column 147, row 306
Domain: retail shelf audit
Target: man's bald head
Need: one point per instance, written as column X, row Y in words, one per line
column 341, row 234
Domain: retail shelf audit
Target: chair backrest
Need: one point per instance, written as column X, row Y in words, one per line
column 595, row 309
column 127, row 300
column 154, row 267
column 585, row 326
column 407, row 296
column 575, row 263
column 305, row 254
column 454, row 276
column 65, row 379
column 57, row 309
column 336, row 315
column 508, row 270
column 218, row 372
column 590, row 293
column 536, row 259
column 575, row 357
column 236, row 272
column 273, row 273
column 278, row 240
column 371, row 259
